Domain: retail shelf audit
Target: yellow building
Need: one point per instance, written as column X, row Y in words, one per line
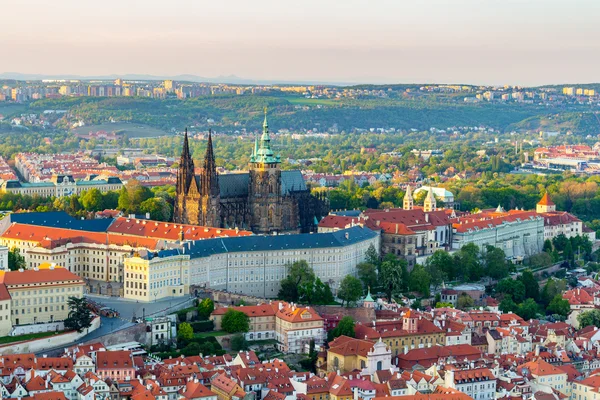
column 38, row 295
column 587, row 389
column 149, row 278
column 413, row 332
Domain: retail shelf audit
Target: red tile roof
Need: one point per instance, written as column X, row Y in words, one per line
column 545, row 201
column 169, row 231
column 42, row 275
column 121, row 359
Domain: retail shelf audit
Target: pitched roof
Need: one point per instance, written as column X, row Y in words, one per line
column 545, row 201
column 169, row 231
column 345, row 346
column 114, row 359
column 44, row 274
column 540, row 367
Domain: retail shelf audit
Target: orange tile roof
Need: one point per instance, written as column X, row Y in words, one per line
column 169, row 231
column 463, row 225
column 346, row 346
column 49, row 237
column 298, row 314
column 540, row 367
column 42, row 275
column 545, row 201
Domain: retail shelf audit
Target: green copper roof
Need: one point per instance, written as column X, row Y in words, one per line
column 263, row 152
column 369, row 298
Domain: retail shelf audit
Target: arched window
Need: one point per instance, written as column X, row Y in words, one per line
column 379, row 365
column 336, row 362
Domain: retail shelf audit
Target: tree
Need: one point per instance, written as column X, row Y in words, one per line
column 464, row 301
column 552, row 288
column 158, row 209
column 547, row 246
column 532, row 288
column 350, row 290
column 367, row 273
column 132, row 195
column 192, row 349
column 92, row 200
column 419, row 280
column 322, row 293
column 185, row 333
column 299, row 283
column 344, row 328
column 205, row 308
column 514, row 288
column 371, row 255
column 468, row 262
column 589, row 318
column 235, row 321
column 528, row 309
column 560, row 242
column 391, row 277
column 15, row 260
column 440, row 267
column 80, row 317
column 496, row 265
column 559, row 306
column 508, row 305
column 239, row 342
column 441, row 304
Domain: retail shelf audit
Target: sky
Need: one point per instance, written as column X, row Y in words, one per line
column 516, row 42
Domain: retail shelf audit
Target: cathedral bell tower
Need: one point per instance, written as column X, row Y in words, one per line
column 265, row 199
column 185, row 176
column 209, row 188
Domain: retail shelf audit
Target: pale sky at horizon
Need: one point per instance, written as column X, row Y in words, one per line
column 378, row 41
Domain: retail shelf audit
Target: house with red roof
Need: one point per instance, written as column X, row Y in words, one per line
column 545, row 374
column 115, row 364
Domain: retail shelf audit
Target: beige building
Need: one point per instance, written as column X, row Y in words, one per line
column 262, row 320
column 587, row 389
column 92, row 255
column 292, row 326
column 61, row 186
column 152, row 278
column 36, row 296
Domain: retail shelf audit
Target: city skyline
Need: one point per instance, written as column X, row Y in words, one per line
column 515, row 42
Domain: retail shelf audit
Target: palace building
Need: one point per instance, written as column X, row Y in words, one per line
column 264, row 200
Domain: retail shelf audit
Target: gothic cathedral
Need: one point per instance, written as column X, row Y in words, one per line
column 263, row 200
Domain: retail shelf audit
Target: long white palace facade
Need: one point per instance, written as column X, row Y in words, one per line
column 150, row 260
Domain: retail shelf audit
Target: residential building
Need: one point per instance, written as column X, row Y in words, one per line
column 347, row 354
column 479, row 383
column 115, row 364
column 545, row 374
column 37, row 296
column 296, row 327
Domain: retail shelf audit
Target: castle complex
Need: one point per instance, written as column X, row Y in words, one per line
column 264, row 200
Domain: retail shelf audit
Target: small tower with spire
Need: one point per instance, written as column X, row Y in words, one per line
column 408, row 202
column 429, row 204
column 545, row 205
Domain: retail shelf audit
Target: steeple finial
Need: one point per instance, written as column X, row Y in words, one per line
column 265, row 123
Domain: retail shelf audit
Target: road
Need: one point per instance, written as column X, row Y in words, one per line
column 127, row 309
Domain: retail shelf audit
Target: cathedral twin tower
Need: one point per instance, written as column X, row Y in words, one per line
column 265, row 199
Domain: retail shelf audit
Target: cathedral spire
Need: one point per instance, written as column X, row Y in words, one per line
column 263, row 152
column 209, row 179
column 185, row 173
